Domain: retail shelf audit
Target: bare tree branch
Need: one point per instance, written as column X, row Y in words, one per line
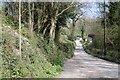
column 79, row 16
column 65, row 9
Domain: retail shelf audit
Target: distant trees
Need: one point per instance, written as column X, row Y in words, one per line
column 106, row 37
column 112, row 17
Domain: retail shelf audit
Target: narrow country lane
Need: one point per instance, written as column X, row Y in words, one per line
column 83, row 65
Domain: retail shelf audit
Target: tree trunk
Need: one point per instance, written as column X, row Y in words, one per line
column 30, row 21
column 32, row 18
column 82, row 32
column 52, row 30
column 57, row 33
column 73, row 28
column 20, row 28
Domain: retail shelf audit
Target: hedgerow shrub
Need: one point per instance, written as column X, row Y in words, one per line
column 32, row 63
column 56, row 52
column 67, row 48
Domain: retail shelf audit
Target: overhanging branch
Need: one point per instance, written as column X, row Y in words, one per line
column 65, row 9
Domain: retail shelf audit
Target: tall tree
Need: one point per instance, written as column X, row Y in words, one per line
column 20, row 28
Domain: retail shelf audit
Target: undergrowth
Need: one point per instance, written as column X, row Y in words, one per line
column 38, row 58
column 111, row 55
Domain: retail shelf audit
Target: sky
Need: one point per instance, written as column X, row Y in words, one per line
column 92, row 10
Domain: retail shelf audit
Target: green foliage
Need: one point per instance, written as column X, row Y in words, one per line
column 113, row 56
column 96, row 49
column 41, row 56
column 114, row 13
column 56, row 52
column 111, row 40
column 25, row 32
column 38, row 59
column 98, row 41
column 55, row 56
column 67, row 48
column 33, row 62
column 8, row 20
